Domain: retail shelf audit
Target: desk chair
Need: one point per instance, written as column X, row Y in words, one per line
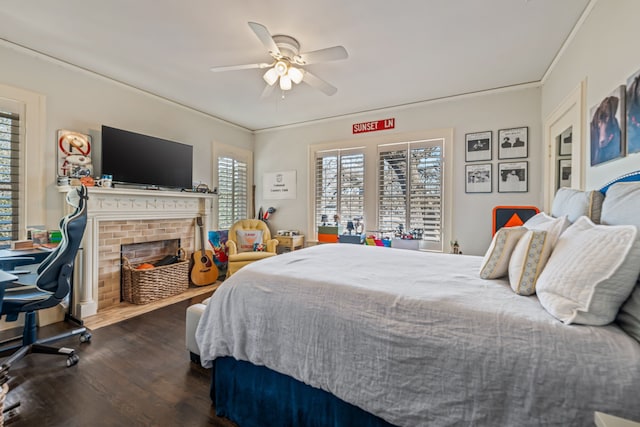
column 50, row 286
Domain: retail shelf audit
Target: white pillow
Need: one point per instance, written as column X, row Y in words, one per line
column 576, row 203
column 527, row 261
column 590, row 273
column 246, row 239
column 622, row 206
column 553, row 226
column 496, row 260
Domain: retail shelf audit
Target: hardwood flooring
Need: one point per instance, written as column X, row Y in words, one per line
column 133, row 373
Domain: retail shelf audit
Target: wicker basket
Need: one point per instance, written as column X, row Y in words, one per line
column 145, row 286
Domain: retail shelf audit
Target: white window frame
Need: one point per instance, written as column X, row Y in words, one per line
column 406, row 147
column 340, row 152
column 32, row 110
column 369, row 144
column 240, row 154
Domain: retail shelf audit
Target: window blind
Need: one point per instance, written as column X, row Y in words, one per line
column 9, row 177
column 232, row 191
column 339, row 185
column 410, row 190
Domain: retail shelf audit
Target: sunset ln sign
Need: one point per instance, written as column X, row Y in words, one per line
column 374, row 126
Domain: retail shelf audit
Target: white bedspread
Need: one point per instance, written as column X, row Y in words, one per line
column 419, row 339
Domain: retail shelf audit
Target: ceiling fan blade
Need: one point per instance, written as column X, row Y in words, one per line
column 323, row 55
column 265, row 37
column 316, row 82
column 267, row 91
column 239, row 67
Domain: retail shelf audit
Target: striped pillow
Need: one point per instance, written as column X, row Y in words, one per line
column 496, row 260
column 527, row 261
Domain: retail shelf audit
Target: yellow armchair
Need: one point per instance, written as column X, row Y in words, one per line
column 237, row 260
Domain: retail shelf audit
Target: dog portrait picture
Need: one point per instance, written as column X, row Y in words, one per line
column 607, row 128
column 633, row 113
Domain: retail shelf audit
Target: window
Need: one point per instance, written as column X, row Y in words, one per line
column 232, row 191
column 410, row 184
column 9, row 176
column 339, row 180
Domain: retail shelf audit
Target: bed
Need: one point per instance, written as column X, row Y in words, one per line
column 346, row 335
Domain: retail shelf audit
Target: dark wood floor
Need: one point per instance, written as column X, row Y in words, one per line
column 134, row 373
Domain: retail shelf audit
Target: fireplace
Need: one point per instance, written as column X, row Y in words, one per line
column 117, row 217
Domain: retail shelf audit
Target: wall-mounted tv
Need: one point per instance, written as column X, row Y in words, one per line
column 138, row 159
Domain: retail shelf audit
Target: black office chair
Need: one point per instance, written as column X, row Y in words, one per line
column 50, row 286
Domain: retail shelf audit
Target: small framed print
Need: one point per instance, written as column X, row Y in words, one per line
column 478, row 146
column 564, row 142
column 564, row 173
column 478, row 178
column 513, row 177
column 513, row 143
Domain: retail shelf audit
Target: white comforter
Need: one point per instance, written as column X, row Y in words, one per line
column 419, row 339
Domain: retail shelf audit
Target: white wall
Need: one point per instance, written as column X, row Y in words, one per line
column 604, row 51
column 81, row 101
column 287, row 149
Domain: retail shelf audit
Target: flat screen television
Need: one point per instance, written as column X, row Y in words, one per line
column 132, row 158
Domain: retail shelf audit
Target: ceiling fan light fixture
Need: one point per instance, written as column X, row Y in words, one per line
column 295, row 74
column 281, row 68
column 285, row 82
column 271, row 76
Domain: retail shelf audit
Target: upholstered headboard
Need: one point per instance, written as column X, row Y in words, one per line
column 632, row 176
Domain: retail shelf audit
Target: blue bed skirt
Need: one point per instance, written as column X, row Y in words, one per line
column 255, row 396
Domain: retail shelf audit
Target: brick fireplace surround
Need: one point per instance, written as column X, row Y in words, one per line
column 118, row 217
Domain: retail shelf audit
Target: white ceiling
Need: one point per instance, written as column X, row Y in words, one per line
column 399, row 52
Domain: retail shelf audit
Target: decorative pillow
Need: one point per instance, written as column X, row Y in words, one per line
column 553, row 226
column 247, row 238
column 590, row 273
column 576, row 203
column 527, row 261
column 496, row 260
column 258, row 247
column 622, row 206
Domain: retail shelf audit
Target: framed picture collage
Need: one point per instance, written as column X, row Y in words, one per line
column 513, row 172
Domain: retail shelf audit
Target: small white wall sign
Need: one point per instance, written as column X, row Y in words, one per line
column 279, row 185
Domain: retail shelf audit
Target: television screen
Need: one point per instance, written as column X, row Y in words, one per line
column 133, row 158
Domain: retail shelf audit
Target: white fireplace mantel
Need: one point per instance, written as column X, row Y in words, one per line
column 113, row 204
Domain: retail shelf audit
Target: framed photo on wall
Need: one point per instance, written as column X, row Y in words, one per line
column 564, row 173
column 564, row 142
column 633, row 113
column 478, row 146
column 607, row 127
column 513, row 143
column 478, row 178
column 513, row 177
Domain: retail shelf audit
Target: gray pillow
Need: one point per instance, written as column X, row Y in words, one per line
column 621, row 207
column 576, row 203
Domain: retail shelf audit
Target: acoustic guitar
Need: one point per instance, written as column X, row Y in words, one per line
column 203, row 269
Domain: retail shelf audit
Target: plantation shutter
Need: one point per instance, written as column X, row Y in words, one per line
column 410, row 190
column 339, row 185
column 232, row 191
column 9, row 177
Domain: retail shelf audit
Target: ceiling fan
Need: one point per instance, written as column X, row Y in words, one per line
column 287, row 64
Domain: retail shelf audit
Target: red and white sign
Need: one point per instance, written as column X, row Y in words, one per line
column 374, row 126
